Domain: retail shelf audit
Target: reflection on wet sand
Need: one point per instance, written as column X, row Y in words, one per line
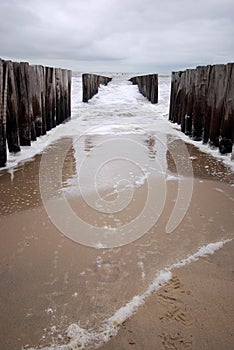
column 204, row 165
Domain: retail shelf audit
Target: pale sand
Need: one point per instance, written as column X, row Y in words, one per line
column 48, row 280
column 195, row 310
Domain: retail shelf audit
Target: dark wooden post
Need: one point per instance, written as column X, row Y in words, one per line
column 31, row 87
column 58, row 95
column 154, row 88
column 12, row 132
column 147, row 85
column 91, row 83
column 69, row 92
column 175, row 81
column 50, row 97
column 227, row 125
column 21, row 72
column 204, row 98
column 216, row 94
column 32, row 100
column 37, row 100
column 63, row 94
column 3, row 107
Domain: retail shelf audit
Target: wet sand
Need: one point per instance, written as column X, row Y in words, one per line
column 48, row 281
column 195, row 310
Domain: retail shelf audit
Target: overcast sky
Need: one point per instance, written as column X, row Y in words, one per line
column 118, row 35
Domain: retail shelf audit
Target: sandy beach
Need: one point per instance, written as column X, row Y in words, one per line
column 49, row 282
column 195, row 310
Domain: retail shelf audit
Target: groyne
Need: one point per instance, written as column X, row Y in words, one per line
column 33, row 99
column 148, row 86
column 91, row 83
column 202, row 102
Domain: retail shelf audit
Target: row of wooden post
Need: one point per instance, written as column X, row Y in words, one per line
column 202, row 101
column 148, row 86
column 33, row 100
column 91, row 83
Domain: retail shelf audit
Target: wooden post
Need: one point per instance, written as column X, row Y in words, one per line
column 175, row 81
column 227, row 125
column 31, row 87
column 58, row 95
column 21, row 71
column 91, row 83
column 69, row 92
column 50, row 97
column 37, row 100
column 216, row 94
column 147, row 85
column 12, row 131
column 154, row 88
column 33, row 99
column 3, row 107
column 203, row 99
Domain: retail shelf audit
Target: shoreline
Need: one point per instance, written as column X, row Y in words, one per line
column 49, row 282
column 194, row 310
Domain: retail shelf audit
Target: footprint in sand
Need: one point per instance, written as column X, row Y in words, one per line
column 169, row 294
column 178, row 314
column 175, row 311
column 175, row 341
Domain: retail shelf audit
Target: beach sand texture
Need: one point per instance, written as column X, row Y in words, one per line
column 48, row 281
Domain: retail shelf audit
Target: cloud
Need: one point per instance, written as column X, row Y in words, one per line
column 127, row 35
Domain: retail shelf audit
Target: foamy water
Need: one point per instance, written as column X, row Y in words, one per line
column 118, row 109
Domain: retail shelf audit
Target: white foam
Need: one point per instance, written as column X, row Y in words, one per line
column 116, row 129
column 205, row 250
column 139, row 181
column 118, row 109
column 81, row 338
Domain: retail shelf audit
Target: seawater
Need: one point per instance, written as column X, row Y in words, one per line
column 117, row 109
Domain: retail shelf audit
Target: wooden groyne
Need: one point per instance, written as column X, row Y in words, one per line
column 91, row 83
column 148, row 86
column 33, row 99
column 202, row 101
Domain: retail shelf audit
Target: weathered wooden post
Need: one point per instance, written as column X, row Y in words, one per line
column 154, row 88
column 3, row 107
column 227, row 125
column 31, row 86
column 64, row 95
column 199, row 102
column 69, row 82
column 91, row 83
column 12, row 132
column 67, row 93
column 33, row 99
column 216, row 94
column 202, row 99
column 50, row 97
column 37, row 95
column 21, row 71
column 175, row 81
column 58, row 95
column 147, row 85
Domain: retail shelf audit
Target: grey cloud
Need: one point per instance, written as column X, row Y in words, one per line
column 134, row 35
